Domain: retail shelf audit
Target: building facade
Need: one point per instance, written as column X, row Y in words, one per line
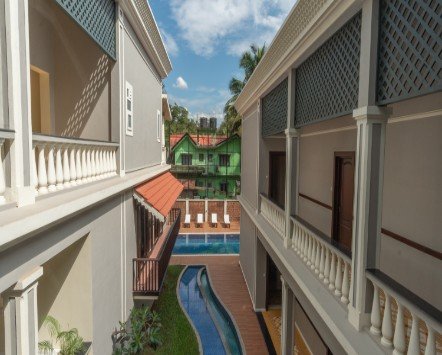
column 85, row 194
column 209, row 166
column 340, row 218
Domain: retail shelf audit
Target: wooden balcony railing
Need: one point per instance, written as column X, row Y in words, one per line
column 60, row 163
column 148, row 273
column 401, row 320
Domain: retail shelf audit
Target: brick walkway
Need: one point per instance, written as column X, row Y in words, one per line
column 228, row 281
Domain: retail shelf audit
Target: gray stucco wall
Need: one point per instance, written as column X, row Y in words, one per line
column 103, row 227
column 79, row 72
column 412, row 205
column 142, row 149
column 247, row 252
column 316, row 160
column 249, row 158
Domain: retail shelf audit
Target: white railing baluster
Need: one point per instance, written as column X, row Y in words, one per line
column 58, row 168
column 93, row 165
column 399, row 332
column 345, row 284
column 338, row 279
column 321, row 263
column 271, row 212
column 66, row 167
column 42, row 175
column 83, row 165
column 430, row 349
column 51, row 169
column 375, row 317
column 387, row 325
column 327, row 267
column 414, row 343
column 78, row 166
column 88, row 164
column 72, row 166
column 34, row 167
column 317, row 256
column 331, row 284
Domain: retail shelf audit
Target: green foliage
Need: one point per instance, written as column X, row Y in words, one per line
column 138, row 334
column 177, row 335
column 71, row 343
column 180, row 122
column 248, row 62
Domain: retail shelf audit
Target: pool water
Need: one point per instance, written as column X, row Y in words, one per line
column 215, row 328
column 206, row 244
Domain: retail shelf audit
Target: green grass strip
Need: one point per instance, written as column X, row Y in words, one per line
column 176, row 334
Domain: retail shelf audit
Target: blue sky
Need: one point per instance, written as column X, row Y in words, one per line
column 205, row 39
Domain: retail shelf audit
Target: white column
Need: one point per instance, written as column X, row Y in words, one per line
column 371, row 122
column 287, row 319
column 187, row 206
column 19, row 100
column 21, row 315
column 2, row 174
column 291, row 175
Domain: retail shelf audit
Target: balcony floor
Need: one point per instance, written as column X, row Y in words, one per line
column 229, row 284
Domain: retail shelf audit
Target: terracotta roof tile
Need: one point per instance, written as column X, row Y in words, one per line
column 161, row 192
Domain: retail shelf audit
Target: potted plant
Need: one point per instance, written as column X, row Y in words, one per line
column 69, row 341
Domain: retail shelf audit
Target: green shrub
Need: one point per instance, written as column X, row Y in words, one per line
column 138, row 334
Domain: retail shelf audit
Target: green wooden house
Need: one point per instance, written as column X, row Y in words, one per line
column 208, row 165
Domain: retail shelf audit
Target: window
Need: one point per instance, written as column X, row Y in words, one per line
column 223, row 187
column 159, row 125
column 209, row 184
column 201, row 157
column 129, row 110
column 186, row 159
column 210, row 157
column 224, row 160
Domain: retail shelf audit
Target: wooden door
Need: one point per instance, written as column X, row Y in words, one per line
column 343, row 198
column 277, row 178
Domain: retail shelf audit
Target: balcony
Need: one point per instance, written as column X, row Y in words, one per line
column 148, row 273
column 400, row 321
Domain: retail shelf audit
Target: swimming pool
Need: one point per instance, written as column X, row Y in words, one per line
column 215, row 328
column 206, row 244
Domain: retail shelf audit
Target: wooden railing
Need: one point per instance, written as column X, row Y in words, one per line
column 148, row 273
column 60, row 163
column 401, row 320
column 274, row 214
column 330, row 263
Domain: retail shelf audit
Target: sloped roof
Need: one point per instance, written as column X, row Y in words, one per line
column 160, row 193
column 201, row 140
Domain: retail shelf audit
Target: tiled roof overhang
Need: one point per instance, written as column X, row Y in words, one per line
column 159, row 194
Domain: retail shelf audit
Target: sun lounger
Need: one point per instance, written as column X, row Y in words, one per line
column 214, row 219
column 227, row 220
column 187, row 220
column 199, row 219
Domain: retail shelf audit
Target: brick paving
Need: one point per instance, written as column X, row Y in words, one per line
column 228, row 281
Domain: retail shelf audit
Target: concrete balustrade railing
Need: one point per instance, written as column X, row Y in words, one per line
column 274, row 214
column 60, row 163
column 401, row 322
column 329, row 263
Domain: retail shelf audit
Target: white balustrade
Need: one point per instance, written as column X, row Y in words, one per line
column 402, row 325
column 330, row 264
column 61, row 162
column 274, row 214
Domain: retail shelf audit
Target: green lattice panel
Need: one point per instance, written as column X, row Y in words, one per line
column 410, row 49
column 97, row 18
column 327, row 83
column 274, row 110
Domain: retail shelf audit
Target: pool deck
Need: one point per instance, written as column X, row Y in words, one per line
column 229, row 284
column 207, row 227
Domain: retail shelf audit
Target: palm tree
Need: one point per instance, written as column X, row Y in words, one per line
column 248, row 62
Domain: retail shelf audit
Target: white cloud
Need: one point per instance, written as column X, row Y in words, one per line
column 170, row 43
column 205, row 25
column 180, row 83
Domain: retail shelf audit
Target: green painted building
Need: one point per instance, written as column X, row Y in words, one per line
column 208, row 165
